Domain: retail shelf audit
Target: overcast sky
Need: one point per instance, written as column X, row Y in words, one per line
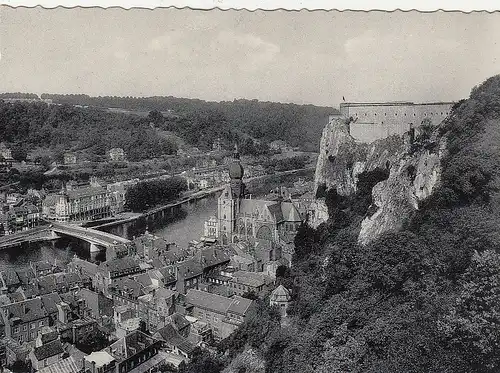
column 301, row 57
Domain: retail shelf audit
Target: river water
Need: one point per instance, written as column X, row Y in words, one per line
column 186, row 226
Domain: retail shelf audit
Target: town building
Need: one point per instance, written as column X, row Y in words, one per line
column 100, row 362
column 48, row 349
column 280, row 297
column 117, row 155
column 210, row 228
column 174, row 342
column 135, row 350
column 222, row 314
column 69, row 158
column 242, row 282
column 279, row 145
column 266, row 225
column 5, row 164
column 24, row 319
column 111, row 270
column 79, row 204
column 5, row 152
column 20, row 218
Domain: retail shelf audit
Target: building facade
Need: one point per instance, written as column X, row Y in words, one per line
column 222, row 314
column 88, row 203
column 266, row 224
column 373, row 121
column 117, row 155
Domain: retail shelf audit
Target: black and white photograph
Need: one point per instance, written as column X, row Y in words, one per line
column 249, row 191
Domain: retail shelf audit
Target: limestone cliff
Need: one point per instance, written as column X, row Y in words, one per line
column 412, row 169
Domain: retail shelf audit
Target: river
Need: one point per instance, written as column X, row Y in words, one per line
column 186, row 226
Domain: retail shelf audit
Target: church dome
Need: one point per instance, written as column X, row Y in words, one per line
column 236, row 170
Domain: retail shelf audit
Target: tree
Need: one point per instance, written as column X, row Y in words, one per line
column 473, row 322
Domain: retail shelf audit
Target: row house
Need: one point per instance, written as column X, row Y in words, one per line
column 154, row 309
column 111, row 270
column 20, row 218
column 80, row 204
column 61, row 282
column 222, row 314
column 24, row 319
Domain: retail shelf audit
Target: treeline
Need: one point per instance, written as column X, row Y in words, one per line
column 424, row 299
column 151, row 193
column 93, row 132
column 298, row 125
column 286, row 164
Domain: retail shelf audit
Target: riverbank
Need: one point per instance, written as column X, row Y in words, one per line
column 195, row 196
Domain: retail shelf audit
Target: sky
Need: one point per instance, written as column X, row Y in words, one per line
column 302, row 57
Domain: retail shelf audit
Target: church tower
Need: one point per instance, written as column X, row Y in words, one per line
column 229, row 200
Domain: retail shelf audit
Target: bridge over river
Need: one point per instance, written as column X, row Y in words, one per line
column 98, row 240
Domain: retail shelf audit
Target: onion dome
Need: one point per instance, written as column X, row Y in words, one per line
column 236, row 170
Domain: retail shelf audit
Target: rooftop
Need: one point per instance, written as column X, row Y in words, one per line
column 130, row 345
column 100, row 358
column 49, row 349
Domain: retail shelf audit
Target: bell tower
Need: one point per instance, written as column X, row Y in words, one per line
column 229, row 200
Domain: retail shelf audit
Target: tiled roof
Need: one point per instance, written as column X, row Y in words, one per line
column 50, row 302
column 49, row 349
column 67, row 365
column 130, row 345
column 87, row 267
column 239, row 305
column 10, row 277
column 85, row 192
column 190, row 268
column 163, row 293
column 253, row 279
column 208, row 301
column 120, row 265
column 280, row 294
column 179, row 321
column 26, row 311
column 129, row 286
column 290, row 212
column 212, row 256
column 170, row 335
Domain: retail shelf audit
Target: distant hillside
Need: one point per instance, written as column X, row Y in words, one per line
column 298, row 125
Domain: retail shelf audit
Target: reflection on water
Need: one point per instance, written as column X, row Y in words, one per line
column 184, row 226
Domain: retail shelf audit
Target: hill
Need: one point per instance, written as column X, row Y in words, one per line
column 298, row 125
column 92, row 125
column 423, row 296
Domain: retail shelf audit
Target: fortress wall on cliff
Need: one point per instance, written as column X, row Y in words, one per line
column 373, row 121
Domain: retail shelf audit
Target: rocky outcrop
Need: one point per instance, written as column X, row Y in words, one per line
column 413, row 172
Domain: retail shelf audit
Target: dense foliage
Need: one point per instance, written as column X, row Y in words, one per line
column 151, row 193
column 61, row 128
column 424, row 299
column 298, row 125
column 286, row 164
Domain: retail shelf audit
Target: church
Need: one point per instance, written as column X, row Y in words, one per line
column 268, row 226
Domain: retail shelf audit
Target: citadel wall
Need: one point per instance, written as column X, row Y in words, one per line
column 373, row 121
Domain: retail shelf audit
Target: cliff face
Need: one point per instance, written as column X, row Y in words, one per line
column 413, row 172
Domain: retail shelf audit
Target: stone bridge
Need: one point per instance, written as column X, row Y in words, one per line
column 97, row 239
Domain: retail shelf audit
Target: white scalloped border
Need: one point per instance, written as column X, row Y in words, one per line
column 251, row 5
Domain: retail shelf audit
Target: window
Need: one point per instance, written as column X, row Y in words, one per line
column 25, row 327
column 32, row 334
column 16, row 329
column 32, row 326
column 40, row 323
